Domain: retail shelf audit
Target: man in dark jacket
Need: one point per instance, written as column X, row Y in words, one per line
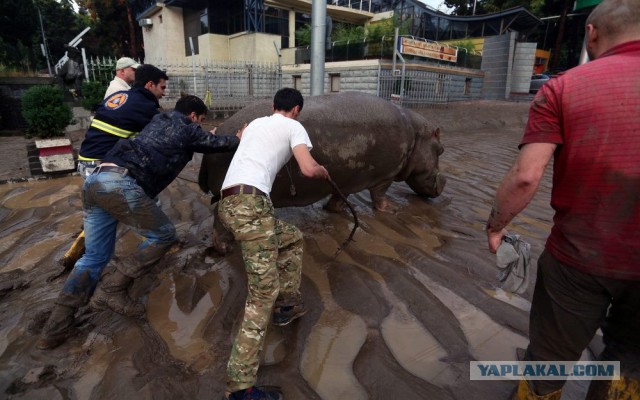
column 121, row 189
column 121, row 115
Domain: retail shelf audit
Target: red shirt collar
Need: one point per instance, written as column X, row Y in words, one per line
column 625, row 47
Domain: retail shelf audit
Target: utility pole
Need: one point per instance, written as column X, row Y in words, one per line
column 318, row 47
column 44, row 39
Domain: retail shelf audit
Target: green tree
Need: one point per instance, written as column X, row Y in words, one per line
column 561, row 8
column 347, row 32
column 21, row 35
column 343, row 32
column 303, row 35
column 61, row 25
column 465, row 7
column 17, row 24
column 115, row 31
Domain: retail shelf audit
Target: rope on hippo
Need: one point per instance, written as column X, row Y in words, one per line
column 353, row 212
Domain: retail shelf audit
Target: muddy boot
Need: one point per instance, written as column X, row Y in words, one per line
column 623, row 389
column 74, row 253
column 60, row 325
column 525, row 392
column 112, row 293
column 255, row 393
column 284, row 315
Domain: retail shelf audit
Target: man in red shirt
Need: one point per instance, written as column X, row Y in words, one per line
column 588, row 120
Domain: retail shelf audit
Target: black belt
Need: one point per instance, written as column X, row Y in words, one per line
column 241, row 189
column 110, row 168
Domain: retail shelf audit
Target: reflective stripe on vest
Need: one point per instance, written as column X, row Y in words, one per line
column 114, row 130
column 87, row 158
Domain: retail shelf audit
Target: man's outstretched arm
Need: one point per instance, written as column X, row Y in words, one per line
column 517, row 189
column 308, row 165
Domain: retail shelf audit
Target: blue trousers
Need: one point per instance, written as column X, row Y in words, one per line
column 108, row 198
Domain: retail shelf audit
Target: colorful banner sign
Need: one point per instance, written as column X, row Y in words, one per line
column 428, row 50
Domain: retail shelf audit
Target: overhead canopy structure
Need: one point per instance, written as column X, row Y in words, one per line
column 232, row 16
column 434, row 25
column 580, row 4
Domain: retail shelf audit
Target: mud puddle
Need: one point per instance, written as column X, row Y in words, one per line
column 399, row 314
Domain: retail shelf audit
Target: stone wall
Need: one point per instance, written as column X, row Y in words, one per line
column 508, row 66
column 464, row 84
column 523, row 63
column 11, row 91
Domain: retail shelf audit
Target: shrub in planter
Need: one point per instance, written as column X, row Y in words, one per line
column 45, row 111
column 92, row 94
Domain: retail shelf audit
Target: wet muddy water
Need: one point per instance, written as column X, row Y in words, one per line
column 397, row 315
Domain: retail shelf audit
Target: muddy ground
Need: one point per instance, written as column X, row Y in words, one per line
column 397, row 315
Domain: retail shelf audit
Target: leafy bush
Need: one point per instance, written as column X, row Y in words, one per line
column 44, row 110
column 92, row 94
column 466, row 44
column 303, row 35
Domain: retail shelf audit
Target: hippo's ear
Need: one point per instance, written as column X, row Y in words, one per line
column 436, row 133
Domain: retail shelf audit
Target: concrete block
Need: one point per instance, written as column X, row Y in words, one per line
column 55, row 155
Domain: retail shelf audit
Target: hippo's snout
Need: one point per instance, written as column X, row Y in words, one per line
column 429, row 185
column 439, row 182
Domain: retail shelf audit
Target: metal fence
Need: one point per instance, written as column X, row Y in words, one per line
column 229, row 86
column 414, row 89
column 382, row 49
column 101, row 69
column 223, row 86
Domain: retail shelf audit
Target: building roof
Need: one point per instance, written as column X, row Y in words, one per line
column 513, row 19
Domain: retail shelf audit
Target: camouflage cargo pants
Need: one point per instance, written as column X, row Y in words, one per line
column 272, row 253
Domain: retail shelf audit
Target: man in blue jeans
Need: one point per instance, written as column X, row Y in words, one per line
column 120, row 116
column 122, row 189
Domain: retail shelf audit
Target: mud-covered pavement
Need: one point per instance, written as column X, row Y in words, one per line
column 397, row 315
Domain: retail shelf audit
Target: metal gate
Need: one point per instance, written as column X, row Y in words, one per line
column 414, row 89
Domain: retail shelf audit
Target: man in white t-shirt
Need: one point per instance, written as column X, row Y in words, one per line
column 125, row 76
column 271, row 248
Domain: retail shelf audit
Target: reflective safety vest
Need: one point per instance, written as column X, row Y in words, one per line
column 120, row 116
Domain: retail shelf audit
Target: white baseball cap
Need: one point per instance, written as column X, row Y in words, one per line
column 126, row 62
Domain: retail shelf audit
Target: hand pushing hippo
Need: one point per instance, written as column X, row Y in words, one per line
column 365, row 142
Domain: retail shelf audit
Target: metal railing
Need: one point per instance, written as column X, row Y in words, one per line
column 229, row 86
column 414, row 89
column 354, row 50
column 223, row 86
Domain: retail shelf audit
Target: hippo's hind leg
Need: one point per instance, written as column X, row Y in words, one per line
column 335, row 203
column 379, row 198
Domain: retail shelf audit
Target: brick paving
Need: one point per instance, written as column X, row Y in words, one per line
column 14, row 161
column 18, row 157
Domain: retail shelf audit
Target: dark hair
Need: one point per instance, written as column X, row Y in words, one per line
column 287, row 98
column 149, row 73
column 189, row 104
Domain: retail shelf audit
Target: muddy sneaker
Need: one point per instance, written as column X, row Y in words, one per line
column 285, row 315
column 256, row 393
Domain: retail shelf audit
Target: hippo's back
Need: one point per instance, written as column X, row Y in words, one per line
column 361, row 139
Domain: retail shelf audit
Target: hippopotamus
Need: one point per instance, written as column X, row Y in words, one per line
column 365, row 142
